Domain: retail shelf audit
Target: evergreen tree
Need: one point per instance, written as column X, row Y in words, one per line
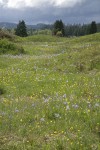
column 93, row 27
column 21, row 29
column 59, row 27
column 98, row 27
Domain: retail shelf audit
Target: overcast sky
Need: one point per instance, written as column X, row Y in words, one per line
column 47, row 11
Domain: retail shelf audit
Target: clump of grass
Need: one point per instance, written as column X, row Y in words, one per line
column 7, row 47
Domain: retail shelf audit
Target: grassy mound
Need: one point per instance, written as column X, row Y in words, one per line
column 86, row 52
column 40, row 38
column 82, row 54
column 7, row 47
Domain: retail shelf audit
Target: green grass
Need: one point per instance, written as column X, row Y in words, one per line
column 50, row 97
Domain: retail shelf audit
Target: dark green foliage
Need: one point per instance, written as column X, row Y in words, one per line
column 77, row 30
column 81, row 30
column 93, row 27
column 7, row 47
column 59, row 26
column 2, row 91
column 21, row 29
column 98, row 27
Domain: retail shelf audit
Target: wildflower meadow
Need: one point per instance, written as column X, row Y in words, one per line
column 50, row 94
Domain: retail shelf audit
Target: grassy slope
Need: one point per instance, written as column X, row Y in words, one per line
column 7, row 45
column 51, row 94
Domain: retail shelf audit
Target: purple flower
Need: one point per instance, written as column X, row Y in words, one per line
column 16, row 110
column 33, row 105
column 64, row 96
column 75, row 106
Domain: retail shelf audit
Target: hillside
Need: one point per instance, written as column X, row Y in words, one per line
column 50, row 95
column 8, row 25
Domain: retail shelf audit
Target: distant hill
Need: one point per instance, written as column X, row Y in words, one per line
column 7, row 25
column 40, row 26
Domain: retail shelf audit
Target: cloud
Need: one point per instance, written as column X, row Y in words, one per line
column 47, row 11
column 39, row 3
column 66, row 3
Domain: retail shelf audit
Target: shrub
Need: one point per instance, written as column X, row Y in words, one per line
column 7, row 47
column 5, row 34
column 59, row 34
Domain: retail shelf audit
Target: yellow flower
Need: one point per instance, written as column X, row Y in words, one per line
column 78, row 130
column 62, row 131
column 71, row 128
column 55, row 132
column 21, row 120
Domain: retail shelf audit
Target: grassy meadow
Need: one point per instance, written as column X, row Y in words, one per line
column 50, row 94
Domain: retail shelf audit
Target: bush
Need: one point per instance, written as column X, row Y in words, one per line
column 7, row 47
column 5, row 34
column 59, row 34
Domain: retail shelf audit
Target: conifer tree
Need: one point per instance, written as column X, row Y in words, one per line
column 59, row 27
column 21, row 29
column 93, row 27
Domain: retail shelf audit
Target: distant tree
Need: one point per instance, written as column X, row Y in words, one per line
column 21, row 29
column 98, row 27
column 93, row 27
column 58, row 26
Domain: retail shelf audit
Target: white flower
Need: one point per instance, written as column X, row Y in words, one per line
column 89, row 104
column 67, row 107
column 57, row 115
column 65, row 103
column 97, row 105
column 42, row 119
column 46, row 100
column 33, row 105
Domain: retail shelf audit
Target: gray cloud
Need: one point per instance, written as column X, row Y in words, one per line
column 38, row 3
column 83, row 12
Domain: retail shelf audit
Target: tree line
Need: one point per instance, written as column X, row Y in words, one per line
column 59, row 29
